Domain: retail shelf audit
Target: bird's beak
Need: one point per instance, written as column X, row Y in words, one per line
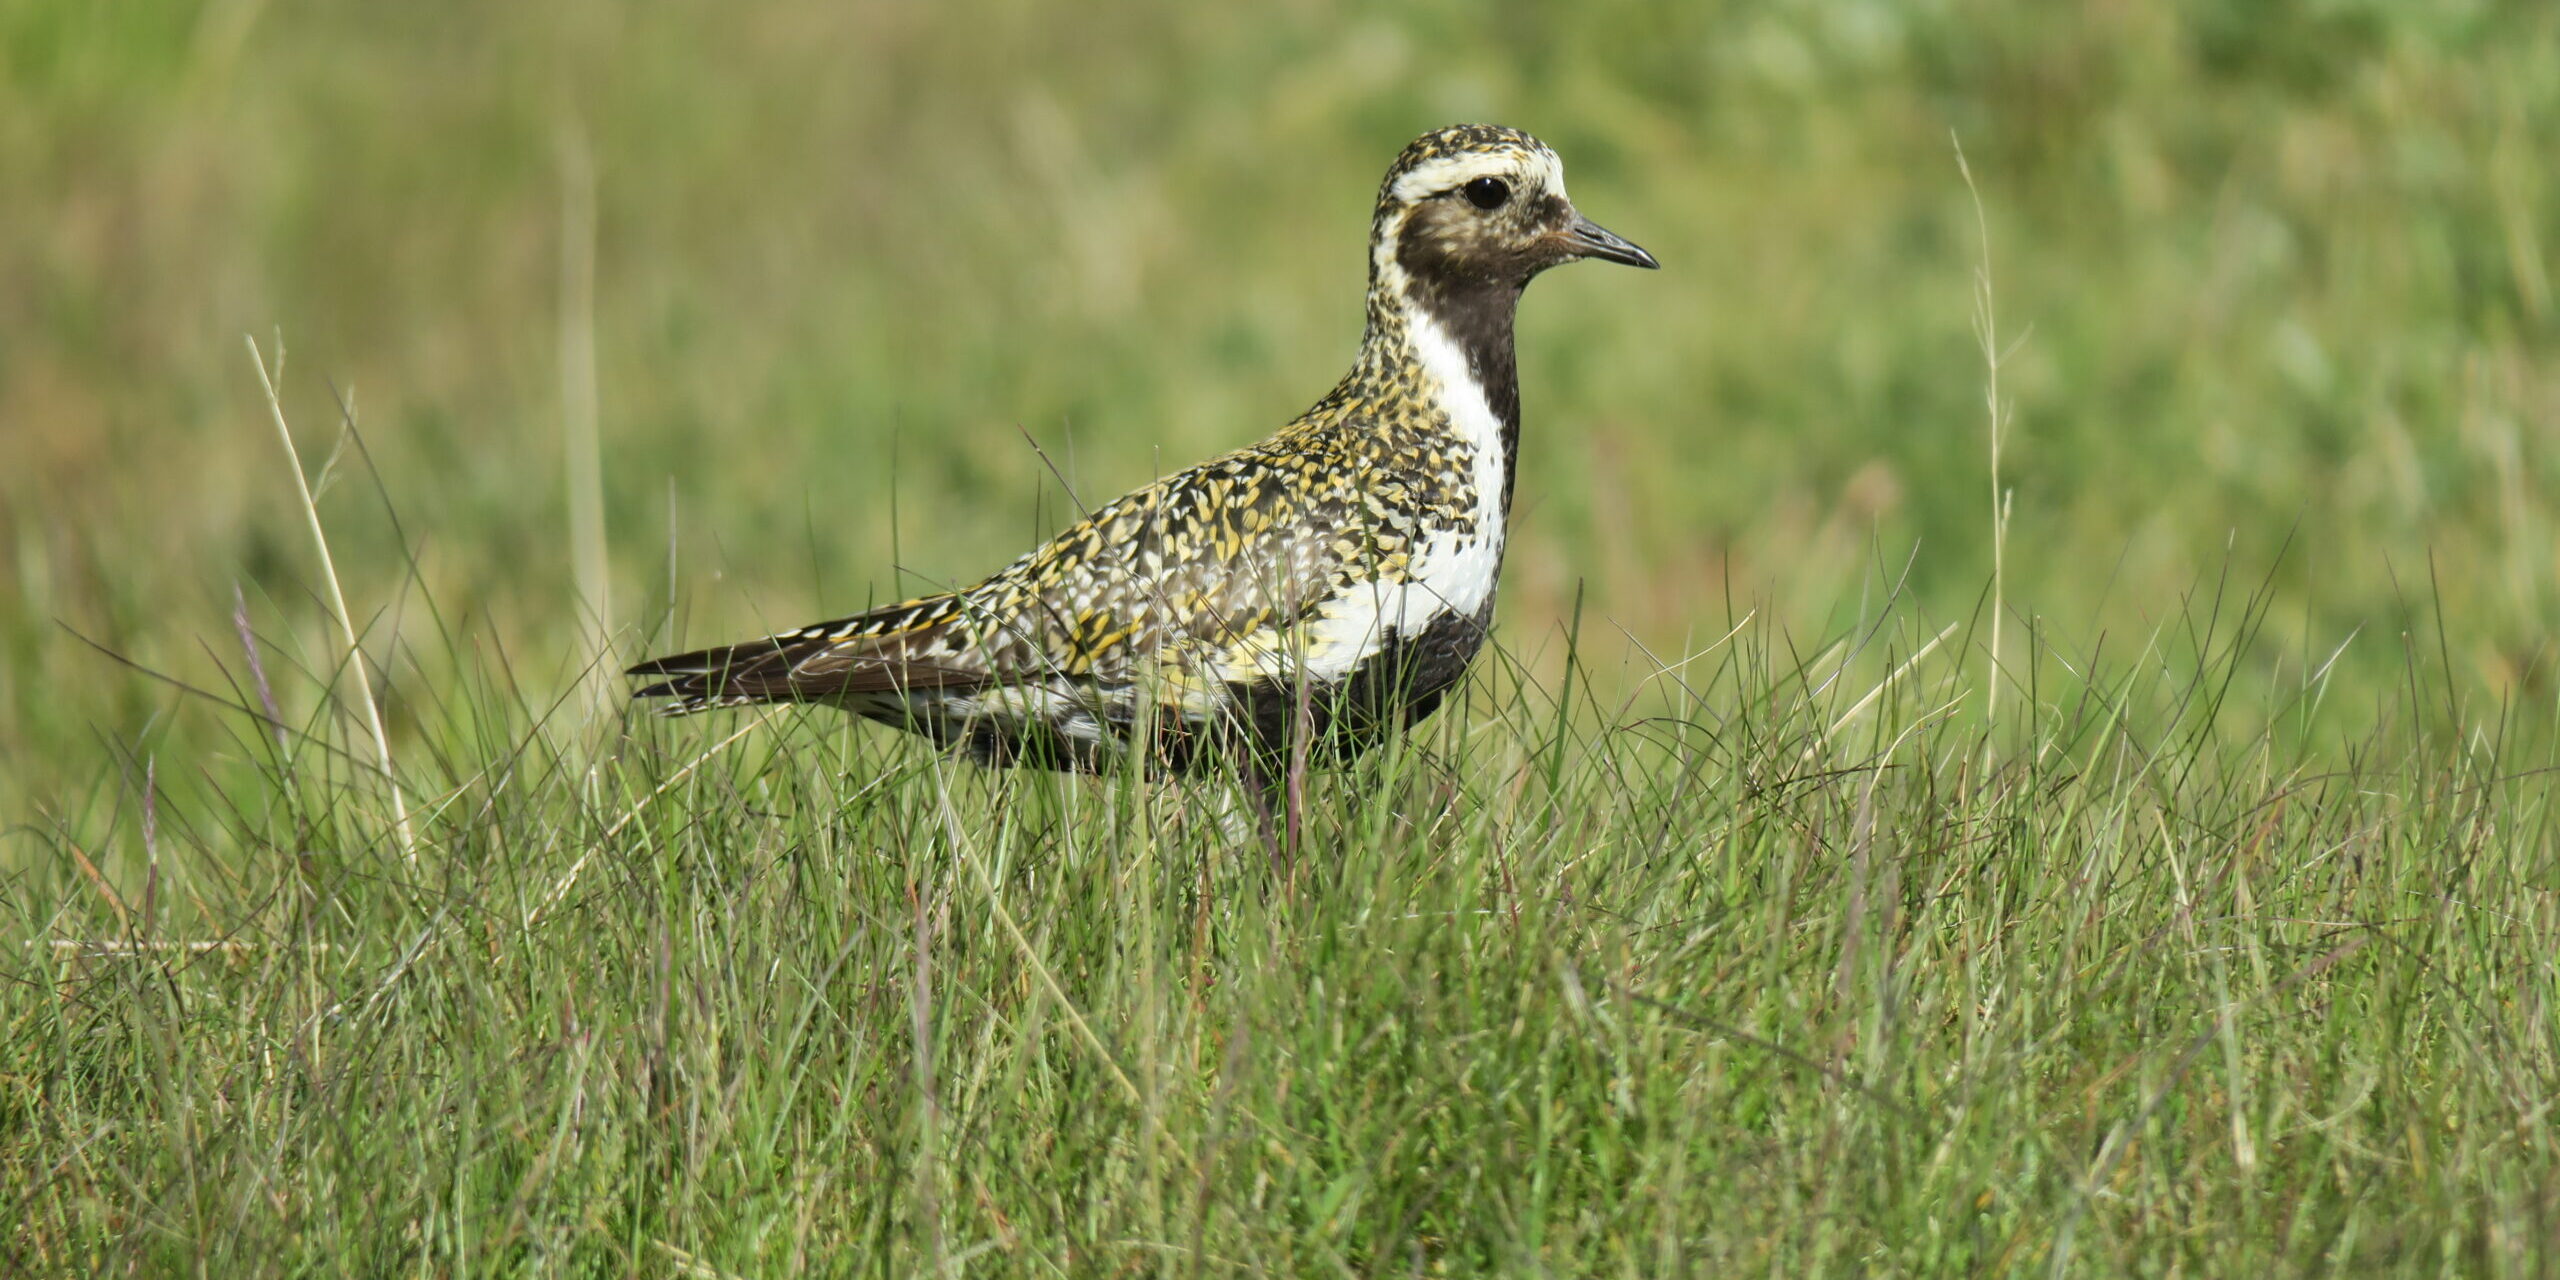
column 1588, row 239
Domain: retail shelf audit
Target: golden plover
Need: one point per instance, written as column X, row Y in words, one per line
column 1321, row 589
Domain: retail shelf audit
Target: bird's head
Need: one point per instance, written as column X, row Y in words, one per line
column 1478, row 208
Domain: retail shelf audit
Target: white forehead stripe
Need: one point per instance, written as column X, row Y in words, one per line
column 1434, row 176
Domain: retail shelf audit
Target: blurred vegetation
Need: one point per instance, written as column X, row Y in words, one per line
column 2279, row 277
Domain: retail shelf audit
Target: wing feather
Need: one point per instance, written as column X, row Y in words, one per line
column 890, row 650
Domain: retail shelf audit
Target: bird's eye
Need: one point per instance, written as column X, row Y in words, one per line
column 1487, row 193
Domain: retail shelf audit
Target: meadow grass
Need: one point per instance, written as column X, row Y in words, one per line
column 2148, row 870
column 1788, row 962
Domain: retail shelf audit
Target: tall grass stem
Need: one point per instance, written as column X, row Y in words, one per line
column 580, row 435
column 338, row 605
column 1986, row 330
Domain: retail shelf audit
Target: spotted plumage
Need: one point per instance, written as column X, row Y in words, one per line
column 1335, row 579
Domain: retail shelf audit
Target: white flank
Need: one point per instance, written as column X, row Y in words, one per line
column 1068, row 711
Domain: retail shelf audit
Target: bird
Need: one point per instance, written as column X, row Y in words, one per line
column 1305, row 596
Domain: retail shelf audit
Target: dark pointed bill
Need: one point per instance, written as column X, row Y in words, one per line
column 1588, row 239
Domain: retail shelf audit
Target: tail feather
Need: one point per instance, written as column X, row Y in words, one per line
column 886, row 651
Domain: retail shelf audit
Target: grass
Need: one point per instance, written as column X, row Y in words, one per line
column 2157, row 878
column 1792, row 964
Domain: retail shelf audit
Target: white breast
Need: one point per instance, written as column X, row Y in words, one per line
column 1451, row 573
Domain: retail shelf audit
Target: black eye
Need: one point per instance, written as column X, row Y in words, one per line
column 1487, row 193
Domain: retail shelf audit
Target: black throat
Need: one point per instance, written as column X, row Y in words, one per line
column 1476, row 311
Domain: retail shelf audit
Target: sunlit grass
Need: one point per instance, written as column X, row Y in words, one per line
column 1788, row 962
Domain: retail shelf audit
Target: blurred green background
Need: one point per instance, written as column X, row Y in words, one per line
column 2277, row 272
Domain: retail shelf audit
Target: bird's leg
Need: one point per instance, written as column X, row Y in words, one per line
column 1294, row 797
column 1258, row 790
column 1293, row 800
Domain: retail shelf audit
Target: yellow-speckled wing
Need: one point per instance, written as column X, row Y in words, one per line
column 1206, row 567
